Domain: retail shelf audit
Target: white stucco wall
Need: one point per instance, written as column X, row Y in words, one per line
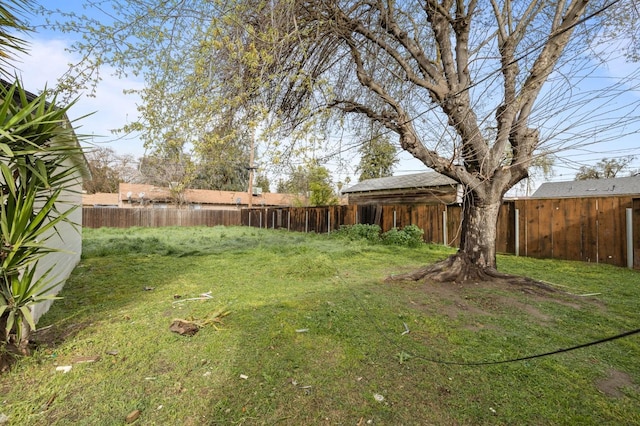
column 68, row 239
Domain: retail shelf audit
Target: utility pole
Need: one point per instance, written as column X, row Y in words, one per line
column 251, row 167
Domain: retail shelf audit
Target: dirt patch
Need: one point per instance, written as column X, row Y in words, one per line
column 614, row 383
column 495, row 297
column 52, row 336
column 6, row 360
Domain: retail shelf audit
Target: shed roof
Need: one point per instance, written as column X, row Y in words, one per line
column 590, row 188
column 412, row 181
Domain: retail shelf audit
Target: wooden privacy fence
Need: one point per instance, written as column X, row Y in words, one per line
column 96, row 217
column 601, row 230
column 594, row 229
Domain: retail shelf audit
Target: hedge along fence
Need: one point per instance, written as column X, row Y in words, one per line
column 598, row 229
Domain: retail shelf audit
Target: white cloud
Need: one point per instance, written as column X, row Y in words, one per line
column 48, row 60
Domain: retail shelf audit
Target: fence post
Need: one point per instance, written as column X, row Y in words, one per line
column 273, row 220
column 517, row 232
column 445, row 231
column 328, row 220
column 306, row 220
column 630, row 238
column 289, row 219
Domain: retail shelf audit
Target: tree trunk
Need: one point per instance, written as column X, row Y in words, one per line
column 479, row 231
column 476, row 257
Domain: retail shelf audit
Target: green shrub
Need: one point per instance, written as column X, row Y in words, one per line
column 359, row 232
column 410, row 236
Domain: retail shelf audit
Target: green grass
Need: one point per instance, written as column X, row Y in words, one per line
column 317, row 333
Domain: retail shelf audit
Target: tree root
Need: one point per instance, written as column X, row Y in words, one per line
column 459, row 268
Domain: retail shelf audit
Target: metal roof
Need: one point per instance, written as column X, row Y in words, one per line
column 590, row 187
column 413, row 181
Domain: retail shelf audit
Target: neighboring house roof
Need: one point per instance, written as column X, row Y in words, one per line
column 413, row 181
column 100, row 199
column 202, row 196
column 590, row 188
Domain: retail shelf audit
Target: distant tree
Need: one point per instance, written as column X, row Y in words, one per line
column 378, row 158
column 297, row 183
column 312, row 181
column 108, row 169
column 170, row 167
column 322, row 193
column 222, row 159
column 262, row 181
column 213, row 175
column 342, row 184
column 604, row 169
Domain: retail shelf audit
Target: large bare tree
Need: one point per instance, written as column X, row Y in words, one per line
column 108, row 169
column 421, row 58
column 462, row 83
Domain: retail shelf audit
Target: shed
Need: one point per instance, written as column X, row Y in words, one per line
column 417, row 188
column 590, row 188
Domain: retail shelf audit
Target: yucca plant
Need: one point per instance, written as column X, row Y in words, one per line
column 38, row 159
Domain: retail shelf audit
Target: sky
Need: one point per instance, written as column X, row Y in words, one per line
column 110, row 109
column 48, row 59
column 96, row 117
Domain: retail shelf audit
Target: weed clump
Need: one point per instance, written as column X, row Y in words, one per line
column 359, row 232
column 409, row 236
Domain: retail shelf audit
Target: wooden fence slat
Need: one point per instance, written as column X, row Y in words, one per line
column 127, row 218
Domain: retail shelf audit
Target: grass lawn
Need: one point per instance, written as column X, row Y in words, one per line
column 314, row 335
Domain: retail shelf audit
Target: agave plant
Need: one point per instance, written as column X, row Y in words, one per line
column 38, row 159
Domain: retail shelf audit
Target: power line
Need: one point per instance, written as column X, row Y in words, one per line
column 400, row 347
column 495, row 72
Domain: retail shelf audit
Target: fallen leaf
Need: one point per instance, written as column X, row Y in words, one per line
column 184, row 327
column 132, row 416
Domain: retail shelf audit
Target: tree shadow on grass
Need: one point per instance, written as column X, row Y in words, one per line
column 100, row 288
